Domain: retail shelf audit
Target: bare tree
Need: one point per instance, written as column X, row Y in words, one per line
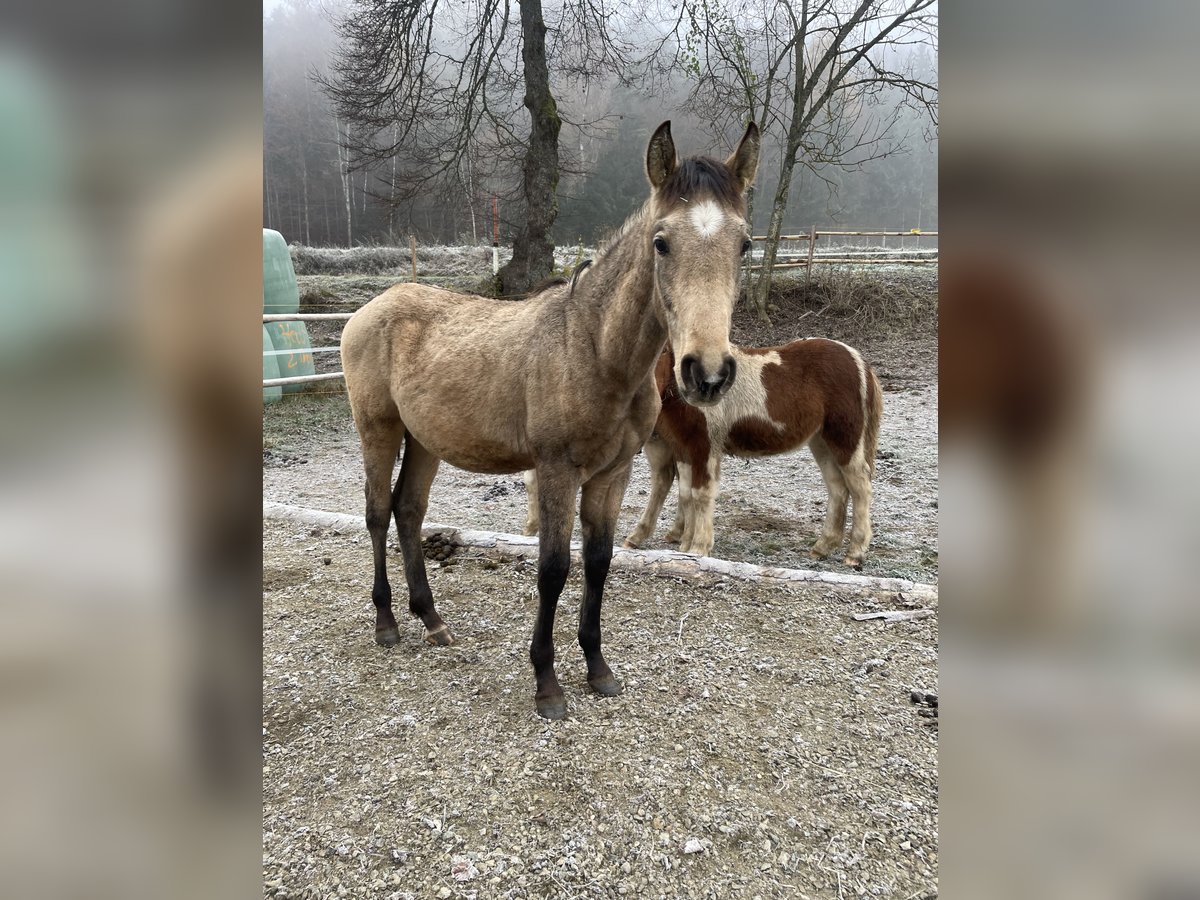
column 821, row 76
column 440, row 86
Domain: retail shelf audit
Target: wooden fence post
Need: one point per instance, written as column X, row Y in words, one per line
column 812, row 242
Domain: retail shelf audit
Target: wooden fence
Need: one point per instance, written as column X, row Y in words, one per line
column 868, row 257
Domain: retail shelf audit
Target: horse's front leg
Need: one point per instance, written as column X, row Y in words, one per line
column 598, row 510
column 706, row 482
column 557, row 486
column 680, row 531
column 662, row 474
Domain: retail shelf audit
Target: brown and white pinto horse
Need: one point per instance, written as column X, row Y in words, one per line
column 815, row 392
column 562, row 383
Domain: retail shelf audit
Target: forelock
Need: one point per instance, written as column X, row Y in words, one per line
column 700, row 178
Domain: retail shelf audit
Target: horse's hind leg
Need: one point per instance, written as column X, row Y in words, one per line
column 662, row 474
column 531, row 512
column 858, row 478
column 381, row 439
column 598, row 510
column 409, row 503
column 839, row 495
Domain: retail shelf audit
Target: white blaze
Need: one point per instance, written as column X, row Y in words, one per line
column 707, row 218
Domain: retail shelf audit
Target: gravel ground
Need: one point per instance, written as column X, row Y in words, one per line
column 766, row 744
column 769, row 511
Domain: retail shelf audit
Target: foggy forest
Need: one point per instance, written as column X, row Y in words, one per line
column 868, row 160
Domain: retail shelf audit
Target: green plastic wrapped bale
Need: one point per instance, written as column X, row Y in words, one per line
column 293, row 352
column 270, row 369
column 280, row 293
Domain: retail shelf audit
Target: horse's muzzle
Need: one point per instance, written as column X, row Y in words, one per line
column 703, row 388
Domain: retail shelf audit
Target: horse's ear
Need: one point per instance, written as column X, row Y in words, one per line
column 744, row 161
column 660, row 156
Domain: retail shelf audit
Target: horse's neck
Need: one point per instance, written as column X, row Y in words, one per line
column 616, row 298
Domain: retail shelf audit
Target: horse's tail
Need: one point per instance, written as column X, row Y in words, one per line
column 874, row 409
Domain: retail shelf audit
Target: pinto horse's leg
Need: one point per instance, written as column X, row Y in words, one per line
column 381, row 440
column 685, row 521
column 858, row 479
column 409, row 502
column 557, row 486
column 531, row 512
column 598, row 511
column 835, row 512
column 662, row 474
column 703, row 503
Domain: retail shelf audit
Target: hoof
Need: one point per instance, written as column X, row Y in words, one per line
column 529, row 530
column 552, row 708
column 441, row 636
column 388, row 637
column 854, row 562
column 607, row 686
column 817, row 553
column 631, row 544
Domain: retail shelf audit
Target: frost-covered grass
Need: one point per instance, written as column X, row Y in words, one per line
column 433, row 261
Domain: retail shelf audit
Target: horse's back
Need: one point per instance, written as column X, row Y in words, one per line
column 452, row 367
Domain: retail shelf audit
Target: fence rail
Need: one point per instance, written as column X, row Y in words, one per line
column 870, row 256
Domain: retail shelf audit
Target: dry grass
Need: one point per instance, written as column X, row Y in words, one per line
column 849, row 302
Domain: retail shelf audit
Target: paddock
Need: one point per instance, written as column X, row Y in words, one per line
column 766, row 744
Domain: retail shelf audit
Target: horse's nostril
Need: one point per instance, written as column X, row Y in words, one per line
column 729, row 370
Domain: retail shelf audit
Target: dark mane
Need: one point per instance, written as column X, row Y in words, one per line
column 579, row 270
column 702, row 176
column 545, row 284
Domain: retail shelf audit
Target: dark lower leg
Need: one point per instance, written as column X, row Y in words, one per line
column 381, row 592
column 553, row 566
column 409, row 503
column 556, row 501
column 599, row 507
column 597, row 555
column 379, row 455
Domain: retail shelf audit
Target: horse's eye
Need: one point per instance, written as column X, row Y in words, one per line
column 661, row 246
column 745, row 246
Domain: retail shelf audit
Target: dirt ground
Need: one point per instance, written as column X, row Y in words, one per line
column 766, row 744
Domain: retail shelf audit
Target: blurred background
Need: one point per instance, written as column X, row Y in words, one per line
column 1068, row 371
column 130, row 203
column 130, row 173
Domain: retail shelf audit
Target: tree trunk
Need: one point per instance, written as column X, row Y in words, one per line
column 533, row 251
column 762, row 287
column 344, row 168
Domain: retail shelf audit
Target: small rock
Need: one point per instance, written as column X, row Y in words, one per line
column 444, row 893
column 693, row 845
column 327, row 560
column 906, row 845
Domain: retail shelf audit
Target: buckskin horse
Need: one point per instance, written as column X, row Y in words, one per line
column 562, row 383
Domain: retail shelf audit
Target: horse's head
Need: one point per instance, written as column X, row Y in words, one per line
column 699, row 233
